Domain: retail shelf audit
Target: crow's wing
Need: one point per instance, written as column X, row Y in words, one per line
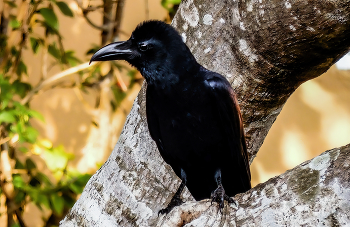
column 153, row 123
column 231, row 123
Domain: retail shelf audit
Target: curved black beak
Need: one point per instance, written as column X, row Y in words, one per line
column 113, row 51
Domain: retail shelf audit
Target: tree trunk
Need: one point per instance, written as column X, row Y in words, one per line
column 266, row 49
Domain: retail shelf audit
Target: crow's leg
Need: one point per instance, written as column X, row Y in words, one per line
column 218, row 195
column 176, row 200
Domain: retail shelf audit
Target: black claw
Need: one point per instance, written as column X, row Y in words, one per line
column 175, row 201
column 164, row 211
column 219, row 196
column 230, row 200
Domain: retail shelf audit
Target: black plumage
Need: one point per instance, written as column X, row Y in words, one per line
column 192, row 113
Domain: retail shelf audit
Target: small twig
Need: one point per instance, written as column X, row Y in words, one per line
column 63, row 52
column 118, row 18
column 106, row 27
column 19, row 171
column 108, row 19
column 23, row 16
column 54, row 78
column 120, row 80
column 19, row 55
column 4, row 140
column 103, row 28
column 146, row 10
column 85, row 12
column 6, row 172
column 89, row 9
column 44, row 60
column 20, row 218
column 22, row 11
column 12, row 140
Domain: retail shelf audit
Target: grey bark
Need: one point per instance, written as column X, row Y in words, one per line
column 315, row 193
column 266, row 49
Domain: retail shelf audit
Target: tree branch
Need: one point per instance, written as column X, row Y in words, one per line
column 55, row 78
column 266, row 49
column 314, row 193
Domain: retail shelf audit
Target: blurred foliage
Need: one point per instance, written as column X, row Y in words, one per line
column 32, row 170
column 171, row 6
column 22, row 181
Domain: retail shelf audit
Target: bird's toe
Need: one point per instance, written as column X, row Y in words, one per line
column 219, row 196
column 175, row 201
column 230, row 200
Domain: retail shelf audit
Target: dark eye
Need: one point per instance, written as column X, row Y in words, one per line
column 145, row 46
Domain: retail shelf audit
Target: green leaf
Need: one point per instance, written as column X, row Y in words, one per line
column 35, row 44
column 31, row 134
column 93, row 50
column 19, row 165
column 72, row 60
column 57, row 158
column 11, row 3
column 7, row 116
column 131, row 73
column 57, row 203
column 65, row 9
column 18, row 181
column 69, row 199
column 21, row 88
column 43, row 179
column 4, row 103
column 34, row 194
column 6, row 93
column 21, row 68
column 50, row 17
column 23, row 149
column 15, row 24
column 20, row 196
column 36, row 115
column 14, row 51
column 8, row 63
column 172, row 1
column 76, row 188
column 43, row 199
column 167, row 4
column 54, row 51
column 30, row 164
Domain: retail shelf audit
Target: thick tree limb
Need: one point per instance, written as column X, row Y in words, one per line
column 266, row 49
column 315, row 193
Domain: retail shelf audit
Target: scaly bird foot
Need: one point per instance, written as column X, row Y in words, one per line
column 219, row 196
column 175, row 201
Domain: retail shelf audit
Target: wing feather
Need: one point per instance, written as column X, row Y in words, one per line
column 229, row 111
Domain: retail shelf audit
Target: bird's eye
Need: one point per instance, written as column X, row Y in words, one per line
column 145, row 46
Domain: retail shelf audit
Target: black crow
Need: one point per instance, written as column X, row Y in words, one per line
column 192, row 113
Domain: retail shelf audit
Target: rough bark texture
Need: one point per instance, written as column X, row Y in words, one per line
column 315, row 193
column 266, row 49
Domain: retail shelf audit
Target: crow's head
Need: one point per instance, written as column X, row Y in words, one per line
column 154, row 48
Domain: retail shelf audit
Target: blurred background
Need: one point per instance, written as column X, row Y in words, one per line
column 61, row 117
